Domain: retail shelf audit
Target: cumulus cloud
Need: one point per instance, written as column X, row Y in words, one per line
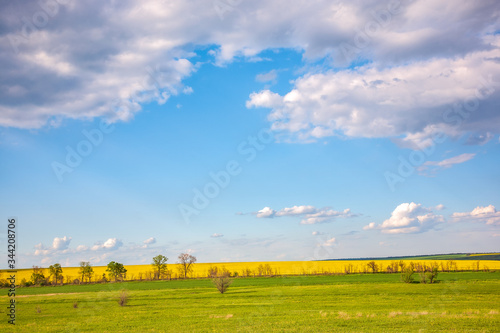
column 149, row 241
column 61, row 243
column 110, row 244
column 410, row 103
column 431, row 167
column 266, row 212
column 309, row 214
column 408, row 218
column 488, row 215
column 216, row 235
column 423, row 55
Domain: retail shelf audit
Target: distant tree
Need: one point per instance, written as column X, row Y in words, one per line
column 429, row 275
column 213, row 271
column 160, row 266
column 86, row 271
column 401, row 265
column 116, row 270
column 37, row 276
column 349, row 269
column 56, row 271
column 373, row 266
column 186, row 262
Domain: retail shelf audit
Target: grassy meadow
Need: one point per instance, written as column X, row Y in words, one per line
column 459, row 302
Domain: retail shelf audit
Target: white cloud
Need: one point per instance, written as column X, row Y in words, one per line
column 439, row 207
column 110, row 244
column 431, row 167
column 410, row 103
column 216, row 235
column 408, row 218
column 150, row 241
column 426, row 55
column 297, row 210
column 82, row 248
column 266, row 212
column 309, row 214
column 488, row 215
column 317, row 233
column 61, row 243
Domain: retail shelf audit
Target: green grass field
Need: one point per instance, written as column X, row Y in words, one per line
column 460, row 302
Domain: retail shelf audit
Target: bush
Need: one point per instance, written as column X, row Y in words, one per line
column 407, row 275
column 431, row 276
column 25, row 283
column 123, row 298
column 222, row 283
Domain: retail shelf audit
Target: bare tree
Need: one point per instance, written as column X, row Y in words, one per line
column 373, row 266
column 186, row 262
column 222, row 282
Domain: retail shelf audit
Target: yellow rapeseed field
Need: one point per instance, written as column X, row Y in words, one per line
column 145, row 272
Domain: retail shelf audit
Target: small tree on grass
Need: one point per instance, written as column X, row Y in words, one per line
column 186, row 262
column 222, row 282
column 160, row 266
column 116, row 270
column 431, row 275
column 123, row 298
column 407, row 275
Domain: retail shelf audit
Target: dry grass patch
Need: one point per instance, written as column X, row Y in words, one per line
column 343, row 315
column 230, row 315
column 394, row 314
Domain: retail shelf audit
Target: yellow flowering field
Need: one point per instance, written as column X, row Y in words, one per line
column 145, row 272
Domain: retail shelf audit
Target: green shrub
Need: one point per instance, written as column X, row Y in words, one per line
column 407, row 275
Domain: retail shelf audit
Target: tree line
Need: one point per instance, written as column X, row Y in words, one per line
column 115, row 272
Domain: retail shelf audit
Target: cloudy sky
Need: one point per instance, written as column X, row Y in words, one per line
column 249, row 130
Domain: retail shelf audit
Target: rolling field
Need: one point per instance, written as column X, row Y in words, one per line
column 460, row 302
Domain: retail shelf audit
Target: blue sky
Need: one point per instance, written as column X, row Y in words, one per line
column 265, row 131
